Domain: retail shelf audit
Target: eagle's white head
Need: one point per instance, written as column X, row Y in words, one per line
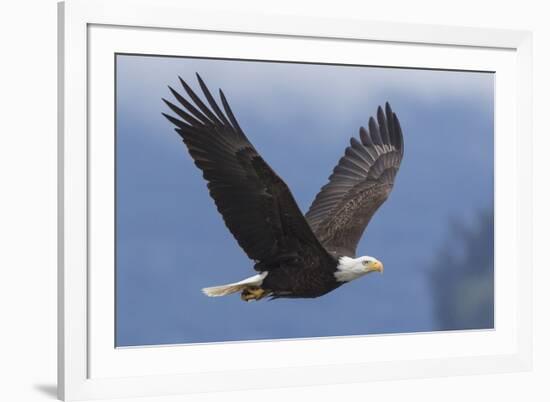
column 349, row 268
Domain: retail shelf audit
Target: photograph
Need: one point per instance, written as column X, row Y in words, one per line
column 271, row 200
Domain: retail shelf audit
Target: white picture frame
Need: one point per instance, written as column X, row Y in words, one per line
column 90, row 367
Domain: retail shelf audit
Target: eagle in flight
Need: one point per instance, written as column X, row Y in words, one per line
column 295, row 256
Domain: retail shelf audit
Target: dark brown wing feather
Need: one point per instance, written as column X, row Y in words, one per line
column 256, row 205
column 359, row 184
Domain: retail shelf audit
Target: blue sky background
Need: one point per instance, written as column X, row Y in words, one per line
column 171, row 241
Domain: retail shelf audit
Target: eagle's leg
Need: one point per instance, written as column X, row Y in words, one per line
column 253, row 293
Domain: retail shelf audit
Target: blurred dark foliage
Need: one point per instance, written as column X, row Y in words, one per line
column 462, row 276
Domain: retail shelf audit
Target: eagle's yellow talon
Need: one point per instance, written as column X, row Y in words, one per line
column 253, row 293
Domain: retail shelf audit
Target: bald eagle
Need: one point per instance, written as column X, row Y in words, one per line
column 295, row 256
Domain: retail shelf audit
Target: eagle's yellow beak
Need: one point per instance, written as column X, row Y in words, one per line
column 376, row 266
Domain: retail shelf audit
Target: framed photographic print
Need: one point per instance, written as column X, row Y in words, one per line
column 232, row 189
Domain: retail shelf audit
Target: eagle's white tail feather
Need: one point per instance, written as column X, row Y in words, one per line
column 224, row 290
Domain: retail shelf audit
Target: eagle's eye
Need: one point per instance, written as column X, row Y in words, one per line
column 365, row 262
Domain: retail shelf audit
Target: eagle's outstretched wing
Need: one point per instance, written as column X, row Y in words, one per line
column 255, row 203
column 359, row 184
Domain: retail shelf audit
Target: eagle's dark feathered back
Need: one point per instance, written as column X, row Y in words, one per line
column 359, row 184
